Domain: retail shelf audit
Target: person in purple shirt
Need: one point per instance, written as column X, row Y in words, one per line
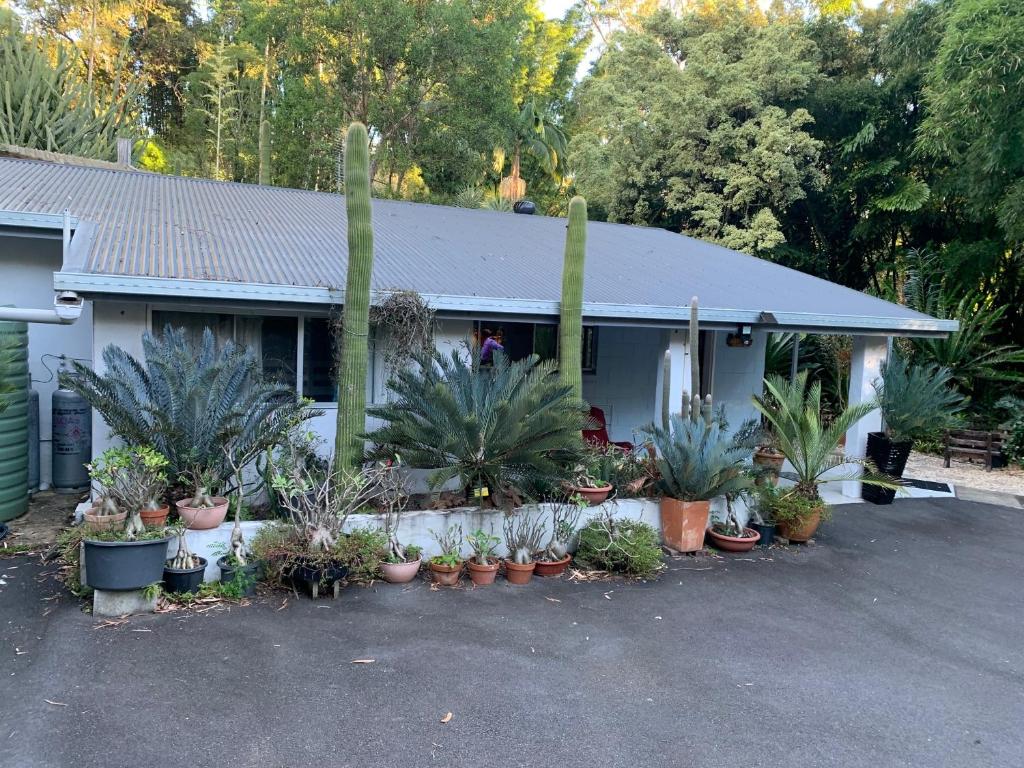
column 491, row 343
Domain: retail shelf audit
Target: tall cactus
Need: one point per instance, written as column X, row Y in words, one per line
column 264, row 176
column 353, row 363
column 697, row 407
column 570, row 341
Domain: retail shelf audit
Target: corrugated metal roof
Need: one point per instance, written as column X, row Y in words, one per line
column 166, row 227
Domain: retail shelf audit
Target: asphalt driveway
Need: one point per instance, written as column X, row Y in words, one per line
column 896, row 640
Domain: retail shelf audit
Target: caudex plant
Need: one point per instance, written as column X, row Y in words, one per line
column 449, row 541
column 523, row 537
column 483, row 544
column 203, row 481
column 184, row 559
column 565, row 517
column 131, row 480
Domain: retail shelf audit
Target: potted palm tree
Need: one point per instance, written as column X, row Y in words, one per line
column 483, row 565
column 697, row 461
column 794, row 412
column 916, row 401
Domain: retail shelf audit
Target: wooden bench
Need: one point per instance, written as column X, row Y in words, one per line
column 974, row 442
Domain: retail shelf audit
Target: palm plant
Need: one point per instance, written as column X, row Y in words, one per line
column 188, row 401
column 916, row 400
column 537, row 133
column 794, row 412
column 699, row 461
column 498, row 428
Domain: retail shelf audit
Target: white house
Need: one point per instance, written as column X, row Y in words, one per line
column 266, row 265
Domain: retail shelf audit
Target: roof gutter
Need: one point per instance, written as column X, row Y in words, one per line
column 94, row 284
column 67, row 308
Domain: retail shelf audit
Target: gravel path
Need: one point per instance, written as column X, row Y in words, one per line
column 921, row 466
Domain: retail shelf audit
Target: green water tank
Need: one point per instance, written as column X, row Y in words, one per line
column 14, row 420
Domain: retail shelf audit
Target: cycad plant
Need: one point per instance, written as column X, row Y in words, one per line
column 499, row 428
column 187, row 401
column 698, row 461
column 794, row 412
column 916, row 400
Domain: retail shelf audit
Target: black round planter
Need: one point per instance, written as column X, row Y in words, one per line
column 890, row 458
column 124, row 564
column 184, row 579
column 250, row 571
column 767, row 532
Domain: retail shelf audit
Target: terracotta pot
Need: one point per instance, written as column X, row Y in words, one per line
column 593, row 496
column 203, row 518
column 446, row 575
column 770, row 461
column 482, row 575
column 552, row 568
column 400, row 573
column 154, row 518
column 95, row 522
column 734, row 543
column 800, row 530
column 683, row 523
column 519, row 574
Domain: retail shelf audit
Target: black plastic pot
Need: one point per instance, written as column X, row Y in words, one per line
column 249, row 571
column 767, row 532
column 890, row 458
column 121, row 565
column 318, row 575
column 184, row 579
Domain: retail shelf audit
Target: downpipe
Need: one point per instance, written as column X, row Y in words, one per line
column 67, row 308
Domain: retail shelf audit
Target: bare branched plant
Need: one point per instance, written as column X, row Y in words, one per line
column 523, row 537
column 565, row 517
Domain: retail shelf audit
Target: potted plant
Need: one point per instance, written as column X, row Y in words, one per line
column 128, row 475
column 185, row 571
column 916, row 401
column 768, row 458
column 732, row 533
column 794, row 411
column 565, row 517
column 446, row 568
column 483, row 565
column 522, row 538
column 762, row 512
column 697, row 461
column 589, row 482
column 202, row 511
column 399, row 564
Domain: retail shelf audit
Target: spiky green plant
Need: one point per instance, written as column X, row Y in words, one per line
column 47, row 105
column 187, row 400
column 265, row 171
column 916, row 400
column 699, row 461
column 570, row 329
column 794, row 412
column 503, row 427
column 355, row 352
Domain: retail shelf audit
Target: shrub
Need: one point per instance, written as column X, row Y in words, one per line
column 916, row 400
column 360, row 550
column 619, row 546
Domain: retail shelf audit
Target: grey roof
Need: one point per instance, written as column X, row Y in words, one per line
column 174, row 236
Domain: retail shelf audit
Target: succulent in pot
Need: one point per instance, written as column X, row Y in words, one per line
column 446, row 567
column 762, row 508
column 132, row 479
column 483, row 565
column 589, row 479
column 565, row 517
column 732, row 533
column 399, row 563
column 768, row 459
column 202, row 511
column 523, row 537
column 185, row 571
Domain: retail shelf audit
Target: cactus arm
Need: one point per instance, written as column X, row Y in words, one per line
column 264, row 176
column 694, row 334
column 570, row 331
column 353, row 363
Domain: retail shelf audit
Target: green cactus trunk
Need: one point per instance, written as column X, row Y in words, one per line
column 570, row 340
column 264, row 177
column 353, row 363
column 694, row 334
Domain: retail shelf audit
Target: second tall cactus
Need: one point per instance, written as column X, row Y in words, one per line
column 570, row 331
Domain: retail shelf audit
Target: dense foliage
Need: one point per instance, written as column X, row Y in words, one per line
column 916, row 400
column 620, row 546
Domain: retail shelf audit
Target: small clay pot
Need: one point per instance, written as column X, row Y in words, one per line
column 400, row 573
column 96, row 522
column 593, row 496
column 155, row 518
column 203, row 518
column 446, row 575
column 801, row 530
column 519, row 574
column 552, row 568
column 734, row 543
column 482, row 575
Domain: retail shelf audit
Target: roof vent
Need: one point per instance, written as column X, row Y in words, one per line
column 525, row 207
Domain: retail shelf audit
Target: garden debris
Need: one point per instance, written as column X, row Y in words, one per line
column 110, row 623
column 55, row 703
column 362, row 661
column 447, row 718
column 579, row 574
column 552, row 599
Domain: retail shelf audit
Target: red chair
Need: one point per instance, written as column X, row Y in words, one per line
column 599, row 435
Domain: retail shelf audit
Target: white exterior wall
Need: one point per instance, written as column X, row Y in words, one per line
column 737, row 375
column 27, row 266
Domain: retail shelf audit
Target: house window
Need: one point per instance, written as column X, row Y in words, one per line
column 319, row 372
column 523, row 339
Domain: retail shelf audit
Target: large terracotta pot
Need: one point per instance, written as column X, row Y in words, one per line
column 734, row 543
column 203, row 518
column 552, row 568
column 154, row 518
column 482, row 575
column 519, row 574
column 800, row 530
column 400, row 573
column 683, row 523
column 446, row 575
column 593, row 496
